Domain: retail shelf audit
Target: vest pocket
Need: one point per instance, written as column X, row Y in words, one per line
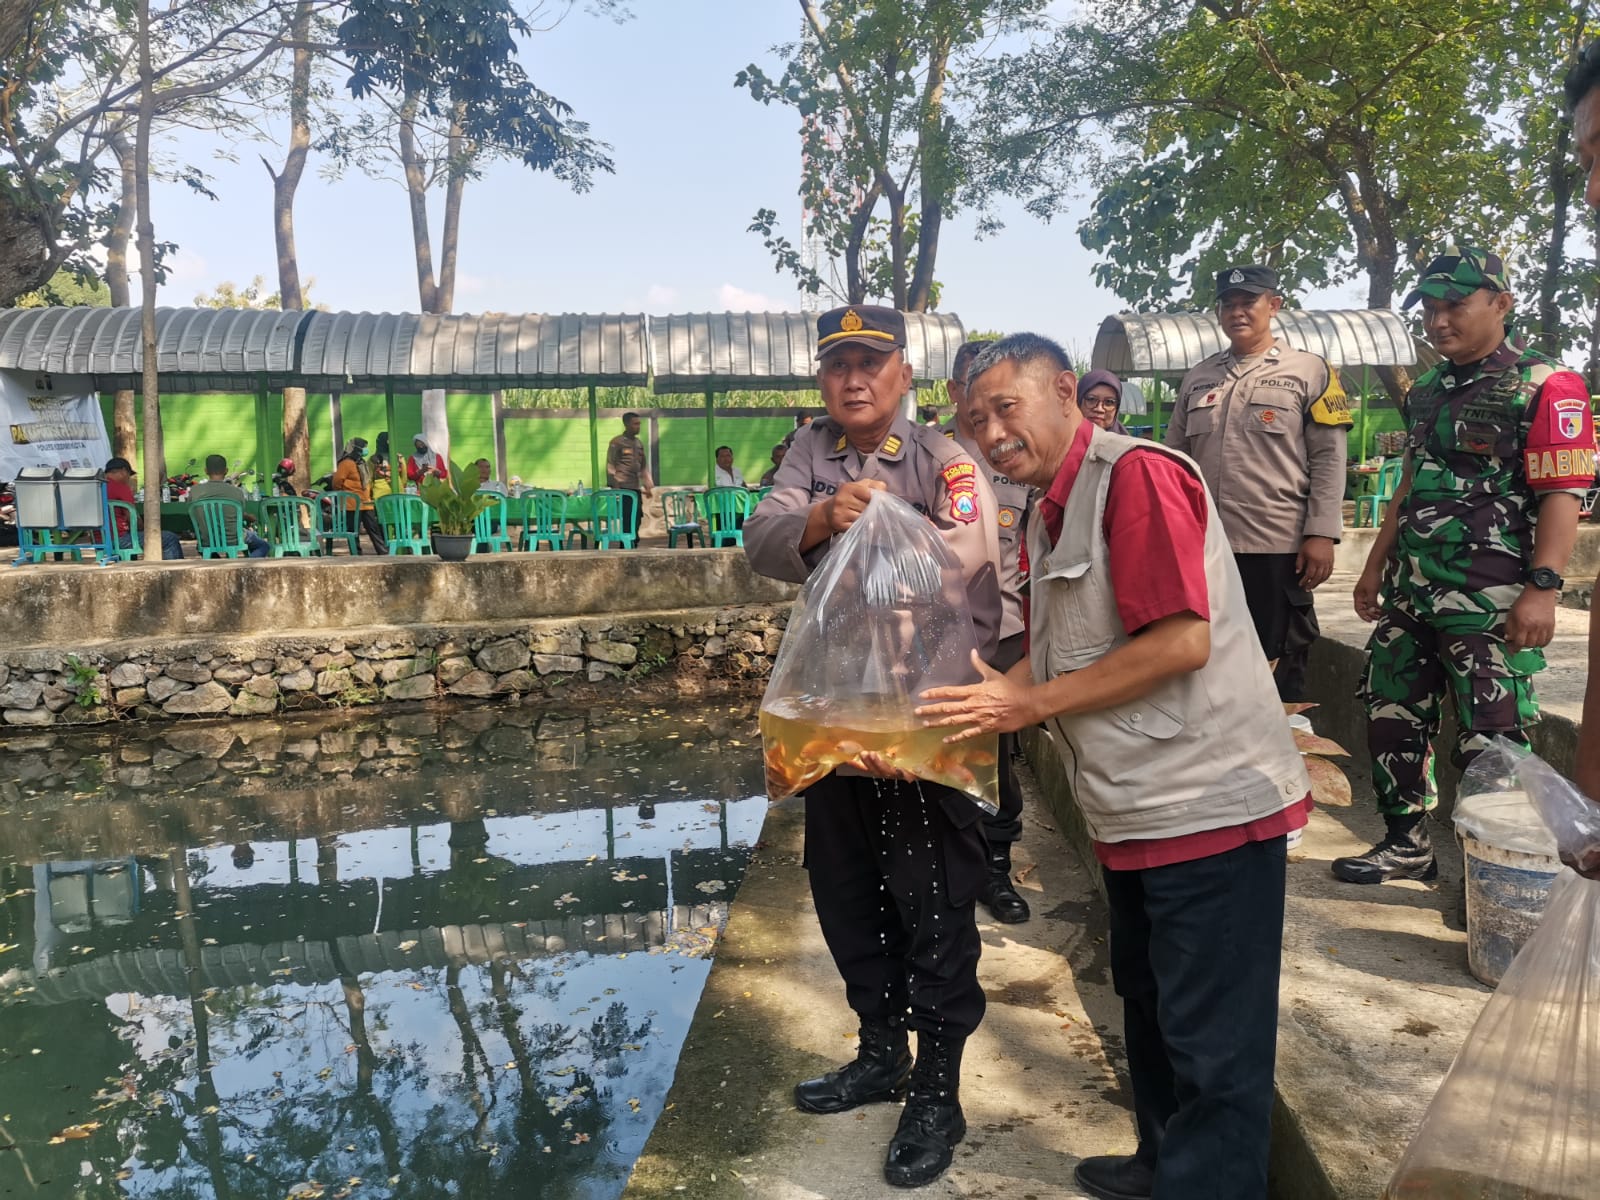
column 1149, row 719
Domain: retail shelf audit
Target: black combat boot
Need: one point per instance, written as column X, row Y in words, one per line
column 881, row 1070
column 932, row 1124
column 999, row 894
column 1405, row 853
column 1116, row 1177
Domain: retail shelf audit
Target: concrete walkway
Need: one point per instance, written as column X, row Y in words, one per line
column 1376, row 1002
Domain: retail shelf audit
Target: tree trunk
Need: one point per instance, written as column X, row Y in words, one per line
column 899, row 266
column 855, row 282
column 124, row 419
column 1555, row 253
column 296, row 437
column 933, row 154
column 417, row 197
column 154, row 452
column 460, row 152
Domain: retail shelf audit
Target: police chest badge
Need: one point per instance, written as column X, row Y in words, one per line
column 1569, row 418
column 1209, row 400
column 962, row 481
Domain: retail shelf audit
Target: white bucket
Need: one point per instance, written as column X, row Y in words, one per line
column 1510, row 866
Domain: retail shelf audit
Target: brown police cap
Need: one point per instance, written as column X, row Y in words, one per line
column 860, row 325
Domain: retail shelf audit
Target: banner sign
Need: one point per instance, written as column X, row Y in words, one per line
column 44, row 430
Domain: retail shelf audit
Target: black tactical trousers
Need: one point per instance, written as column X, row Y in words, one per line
column 1284, row 617
column 895, row 868
column 1004, row 827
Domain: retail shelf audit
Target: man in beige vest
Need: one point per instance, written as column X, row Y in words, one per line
column 1144, row 667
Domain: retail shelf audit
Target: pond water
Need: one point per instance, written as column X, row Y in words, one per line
column 420, row 955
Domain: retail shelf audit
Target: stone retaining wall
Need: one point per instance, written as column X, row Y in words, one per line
column 211, row 677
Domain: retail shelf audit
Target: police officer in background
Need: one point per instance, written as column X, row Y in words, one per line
column 1267, row 423
column 898, row 921
column 1002, row 829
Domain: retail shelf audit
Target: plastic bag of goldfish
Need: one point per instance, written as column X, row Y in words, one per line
column 883, row 619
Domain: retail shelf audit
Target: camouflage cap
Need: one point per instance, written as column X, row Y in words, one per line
column 1457, row 273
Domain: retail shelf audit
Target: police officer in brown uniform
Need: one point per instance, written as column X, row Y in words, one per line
column 1267, row 424
column 896, row 913
column 1002, row 829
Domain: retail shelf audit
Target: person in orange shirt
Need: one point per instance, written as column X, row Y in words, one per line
column 352, row 475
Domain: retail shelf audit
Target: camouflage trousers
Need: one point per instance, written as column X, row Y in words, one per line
column 1411, row 664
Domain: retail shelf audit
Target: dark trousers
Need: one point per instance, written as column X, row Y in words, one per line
column 632, row 498
column 1284, row 616
column 1195, row 952
column 374, row 531
column 1005, row 827
column 894, row 875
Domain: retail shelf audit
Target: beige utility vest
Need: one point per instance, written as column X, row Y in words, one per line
column 1207, row 750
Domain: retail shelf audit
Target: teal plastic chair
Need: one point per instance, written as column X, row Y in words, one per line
column 135, row 548
column 338, row 519
column 611, row 525
column 682, row 518
column 753, row 498
column 1389, row 476
column 489, row 526
column 724, row 514
column 406, row 520
column 544, row 513
column 290, row 525
column 219, row 528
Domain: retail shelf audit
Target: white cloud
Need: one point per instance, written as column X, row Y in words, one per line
column 737, row 299
column 188, row 276
column 660, row 295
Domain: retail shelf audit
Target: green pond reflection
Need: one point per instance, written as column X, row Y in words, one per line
column 416, row 955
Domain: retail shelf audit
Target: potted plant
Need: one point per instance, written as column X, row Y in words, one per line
column 454, row 512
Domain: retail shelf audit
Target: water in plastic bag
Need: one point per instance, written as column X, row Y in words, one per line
column 1518, row 1115
column 882, row 619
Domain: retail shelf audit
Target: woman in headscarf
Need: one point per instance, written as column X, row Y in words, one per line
column 355, row 476
column 424, row 462
column 1100, row 396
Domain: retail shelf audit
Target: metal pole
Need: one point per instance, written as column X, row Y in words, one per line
column 1155, row 409
column 397, row 475
column 711, row 440
column 1361, row 436
column 595, row 478
column 263, row 426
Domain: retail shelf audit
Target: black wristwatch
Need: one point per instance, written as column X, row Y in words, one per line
column 1545, row 579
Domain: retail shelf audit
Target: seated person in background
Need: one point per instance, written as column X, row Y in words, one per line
column 119, row 486
column 778, row 452
column 1100, row 396
column 728, row 475
column 486, row 480
column 801, row 420
column 217, row 487
column 382, row 480
column 354, row 475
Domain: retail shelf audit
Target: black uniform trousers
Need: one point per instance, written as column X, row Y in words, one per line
column 1004, row 827
column 1284, row 616
column 1195, row 955
column 895, row 868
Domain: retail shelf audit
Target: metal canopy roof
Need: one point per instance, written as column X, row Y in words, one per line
column 698, row 352
column 1158, row 343
column 197, row 349
column 349, row 351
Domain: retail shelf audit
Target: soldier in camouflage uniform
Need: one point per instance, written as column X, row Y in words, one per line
column 1464, row 575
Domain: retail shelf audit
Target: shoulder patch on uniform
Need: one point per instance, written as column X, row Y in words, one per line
column 840, row 444
column 1333, row 406
column 893, row 444
column 961, row 479
column 951, row 434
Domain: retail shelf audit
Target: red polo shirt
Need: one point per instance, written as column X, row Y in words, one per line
column 1155, row 531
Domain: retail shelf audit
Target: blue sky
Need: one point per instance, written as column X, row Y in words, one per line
column 695, row 159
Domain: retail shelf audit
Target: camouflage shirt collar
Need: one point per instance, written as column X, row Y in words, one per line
column 1504, row 358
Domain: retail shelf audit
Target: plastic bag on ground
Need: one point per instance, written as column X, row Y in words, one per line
column 1518, row 1115
column 1492, row 806
column 882, row 619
